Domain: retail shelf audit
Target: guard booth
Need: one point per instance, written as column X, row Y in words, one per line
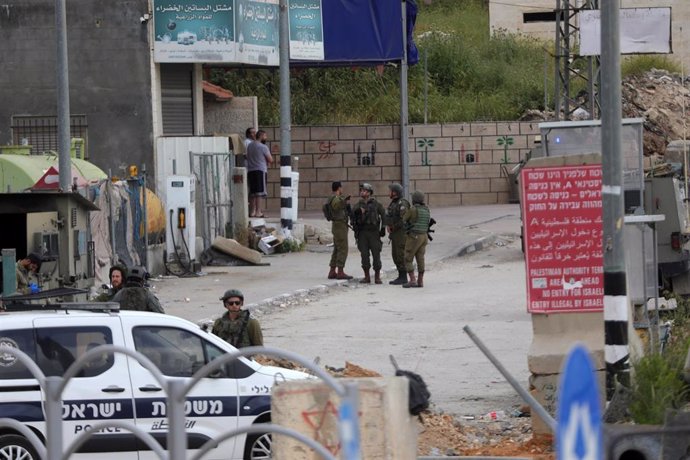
column 56, row 226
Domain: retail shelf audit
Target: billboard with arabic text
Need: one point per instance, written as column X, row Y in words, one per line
column 563, row 235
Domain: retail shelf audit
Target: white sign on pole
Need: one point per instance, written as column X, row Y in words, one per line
column 642, row 31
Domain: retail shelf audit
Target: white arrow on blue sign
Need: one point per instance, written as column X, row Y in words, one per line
column 579, row 432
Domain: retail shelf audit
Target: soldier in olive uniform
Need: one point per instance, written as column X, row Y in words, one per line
column 396, row 230
column 369, row 221
column 340, row 211
column 26, row 270
column 416, row 221
column 236, row 326
column 134, row 296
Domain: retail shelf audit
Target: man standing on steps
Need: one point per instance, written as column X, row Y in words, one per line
column 416, row 221
column 258, row 159
column 369, row 223
column 340, row 212
column 396, row 230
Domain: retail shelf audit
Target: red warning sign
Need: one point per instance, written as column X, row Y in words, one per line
column 563, row 234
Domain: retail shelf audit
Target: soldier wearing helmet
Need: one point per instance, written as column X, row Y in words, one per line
column 416, row 221
column 236, row 326
column 396, row 230
column 369, row 220
column 134, row 296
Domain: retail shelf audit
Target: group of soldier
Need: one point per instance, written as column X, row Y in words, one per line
column 407, row 226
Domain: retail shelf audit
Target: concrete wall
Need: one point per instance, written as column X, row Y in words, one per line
column 233, row 116
column 454, row 164
column 110, row 80
column 508, row 15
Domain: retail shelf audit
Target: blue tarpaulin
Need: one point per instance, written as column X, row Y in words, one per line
column 361, row 31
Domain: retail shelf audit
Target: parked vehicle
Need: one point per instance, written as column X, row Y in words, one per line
column 117, row 387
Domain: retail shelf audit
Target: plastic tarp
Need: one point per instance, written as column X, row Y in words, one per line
column 361, row 31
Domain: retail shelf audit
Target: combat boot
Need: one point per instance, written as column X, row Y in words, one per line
column 377, row 277
column 342, row 275
column 331, row 274
column 401, row 279
column 412, row 282
column 367, row 278
column 420, row 280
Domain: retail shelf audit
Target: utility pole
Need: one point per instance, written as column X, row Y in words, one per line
column 404, row 142
column 62, row 80
column 285, row 120
column 571, row 67
column 616, row 350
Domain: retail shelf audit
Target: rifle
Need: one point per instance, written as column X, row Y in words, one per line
column 429, row 231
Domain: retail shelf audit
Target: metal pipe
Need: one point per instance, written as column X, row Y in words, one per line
column 53, row 408
column 426, row 86
column 63, row 122
column 616, row 307
column 528, row 398
column 285, row 119
column 177, row 438
column 146, row 219
column 109, row 189
column 404, row 142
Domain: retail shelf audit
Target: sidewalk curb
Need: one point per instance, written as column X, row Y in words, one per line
column 477, row 245
column 272, row 303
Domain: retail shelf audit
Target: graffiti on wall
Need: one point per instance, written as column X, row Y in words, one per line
column 469, row 157
column 425, row 144
column 505, row 142
column 326, row 149
column 367, row 158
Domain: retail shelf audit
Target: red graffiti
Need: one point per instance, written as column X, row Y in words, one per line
column 327, row 148
column 316, row 419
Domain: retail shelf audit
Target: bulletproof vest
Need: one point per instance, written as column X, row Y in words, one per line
column 133, row 298
column 394, row 212
column 235, row 332
column 421, row 225
column 372, row 219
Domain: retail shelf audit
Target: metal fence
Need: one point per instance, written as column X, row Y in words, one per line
column 176, row 390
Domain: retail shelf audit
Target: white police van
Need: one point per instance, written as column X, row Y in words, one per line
column 117, row 387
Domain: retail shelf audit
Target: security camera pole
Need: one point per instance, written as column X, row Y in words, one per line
column 616, row 306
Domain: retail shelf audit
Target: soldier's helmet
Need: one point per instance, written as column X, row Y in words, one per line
column 232, row 293
column 136, row 276
column 367, row 187
column 397, row 188
column 417, row 197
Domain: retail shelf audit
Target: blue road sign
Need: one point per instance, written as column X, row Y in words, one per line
column 579, row 432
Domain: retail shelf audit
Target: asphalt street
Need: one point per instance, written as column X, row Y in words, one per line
column 475, row 276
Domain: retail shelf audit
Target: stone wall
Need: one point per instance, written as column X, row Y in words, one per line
column 454, row 164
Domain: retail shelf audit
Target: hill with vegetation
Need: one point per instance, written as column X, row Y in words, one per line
column 469, row 75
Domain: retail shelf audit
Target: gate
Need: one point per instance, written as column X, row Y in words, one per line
column 213, row 172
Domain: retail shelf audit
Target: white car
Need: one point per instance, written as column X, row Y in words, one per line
column 117, row 387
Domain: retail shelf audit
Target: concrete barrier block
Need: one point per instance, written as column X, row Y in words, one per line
column 387, row 431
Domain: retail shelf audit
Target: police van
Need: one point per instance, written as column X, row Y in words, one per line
column 116, row 387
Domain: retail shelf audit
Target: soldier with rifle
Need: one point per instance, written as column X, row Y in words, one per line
column 417, row 222
column 368, row 223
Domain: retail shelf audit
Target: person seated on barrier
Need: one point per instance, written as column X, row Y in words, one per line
column 236, row 326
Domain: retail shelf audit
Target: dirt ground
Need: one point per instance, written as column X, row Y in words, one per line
column 443, row 435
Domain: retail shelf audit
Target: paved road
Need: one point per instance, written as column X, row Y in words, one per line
column 304, row 312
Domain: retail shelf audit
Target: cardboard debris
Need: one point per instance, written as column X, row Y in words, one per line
column 232, row 247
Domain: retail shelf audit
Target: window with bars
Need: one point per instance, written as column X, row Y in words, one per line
column 41, row 132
